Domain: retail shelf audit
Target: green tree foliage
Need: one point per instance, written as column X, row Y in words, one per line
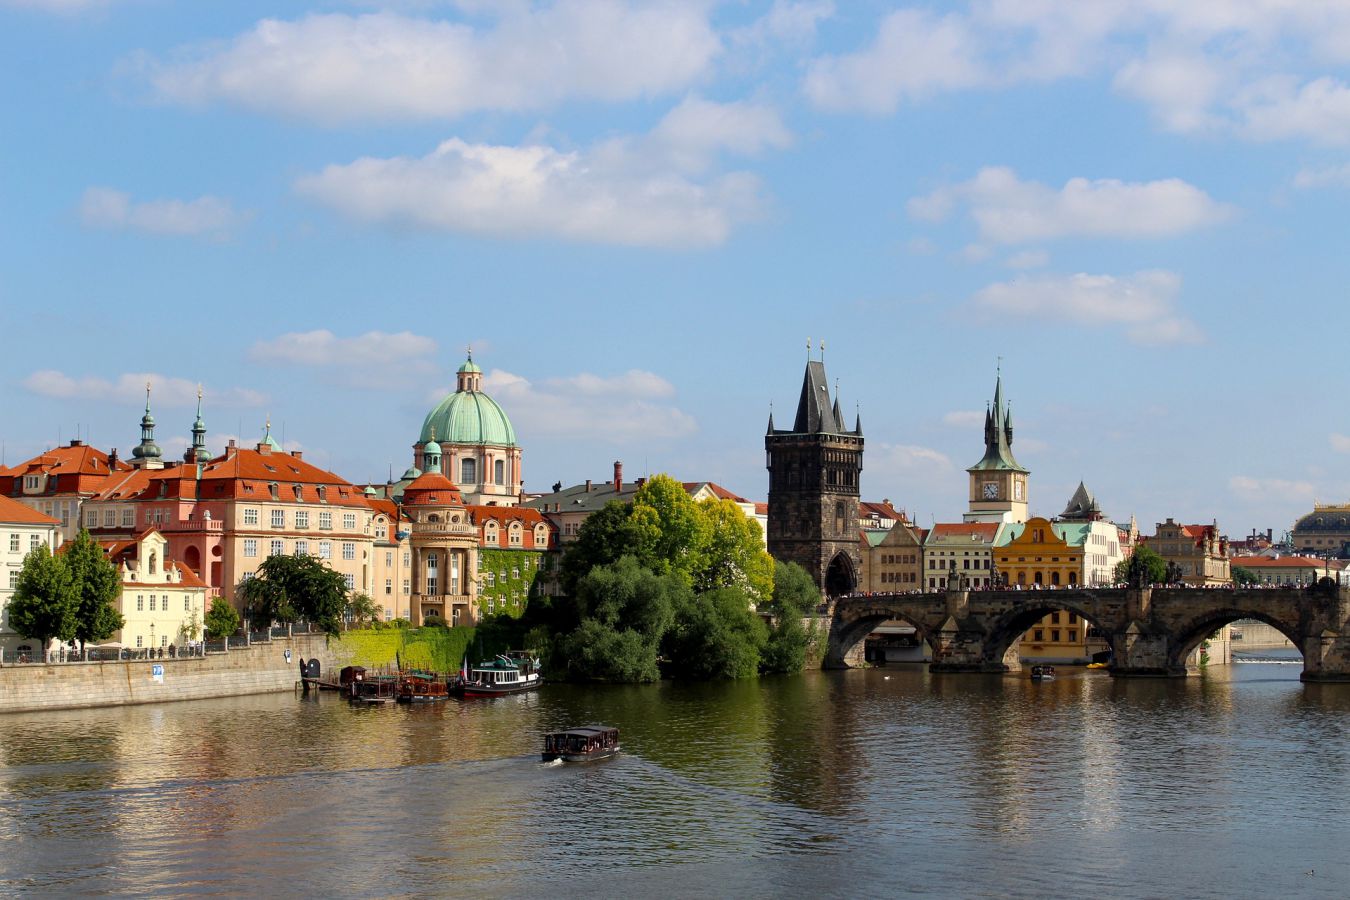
column 671, row 532
column 97, row 586
column 222, row 619
column 734, row 554
column 1243, row 575
column 605, row 536
column 287, row 588
column 1143, row 567
column 714, row 635
column 45, row 599
column 794, row 595
column 361, row 609
column 626, row 609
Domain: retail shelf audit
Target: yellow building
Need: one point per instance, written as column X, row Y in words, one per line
column 163, row 602
column 1045, row 554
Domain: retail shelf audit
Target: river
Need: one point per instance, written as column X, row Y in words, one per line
column 877, row 782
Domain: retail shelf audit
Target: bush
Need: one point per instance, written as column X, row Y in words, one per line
column 433, row 621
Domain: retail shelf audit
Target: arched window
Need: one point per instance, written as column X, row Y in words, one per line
column 1022, row 578
column 1040, row 578
column 839, row 517
column 154, row 563
column 468, row 470
column 1054, row 578
column 499, row 472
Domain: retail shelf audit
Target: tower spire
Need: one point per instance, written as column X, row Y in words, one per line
column 146, row 454
column 198, row 453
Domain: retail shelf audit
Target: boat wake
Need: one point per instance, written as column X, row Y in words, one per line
column 552, row 763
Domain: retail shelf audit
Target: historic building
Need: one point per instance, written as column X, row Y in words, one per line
column 163, row 602
column 963, row 548
column 998, row 484
column 516, row 557
column 444, row 545
column 22, row 530
column 814, row 470
column 892, row 558
column 57, row 482
column 1098, row 538
column 1325, row 530
column 1293, row 570
column 478, row 449
column 1195, row 554
column 1039, row 553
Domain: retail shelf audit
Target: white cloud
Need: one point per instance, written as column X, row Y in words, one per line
column 633, row 192
column 1270, row 489
column 915, row 54
column 1028, row 259
column 322, row 348
column 102, row 207
column 1278, row 109
column 963, row 418
column 130, row 388
column 1328, row 176
column 790, row 22
column 1009, row 210
column 1142, row 304
column 1181, row 88
column 633, row 407
column 1340, row 443
column 698, row 129
column 386, row 66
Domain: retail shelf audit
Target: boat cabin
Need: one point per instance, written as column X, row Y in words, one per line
column 589, row 740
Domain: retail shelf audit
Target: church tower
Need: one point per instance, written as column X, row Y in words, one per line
column 998, row 485
column 814, row 470
column 146, row 454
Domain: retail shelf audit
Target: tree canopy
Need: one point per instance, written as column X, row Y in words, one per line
column 222, row 619
column 287, row 588
column 97, row 585
column 1243, row 575
column 45, row 599
column 1142, row 568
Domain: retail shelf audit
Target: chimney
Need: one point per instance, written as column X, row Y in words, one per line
column 112, row 459
column 618, row 476
column 75, row 443
column 298, row 454
column 588, row 485
column 641, row 481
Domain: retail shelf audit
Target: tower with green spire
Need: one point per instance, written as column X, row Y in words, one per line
column 146, row 454
column 998, row 483
column 198, row 453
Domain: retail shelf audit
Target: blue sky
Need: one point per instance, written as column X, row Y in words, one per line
column 638, row 213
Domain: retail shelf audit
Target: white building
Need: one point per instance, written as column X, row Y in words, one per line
column 22, row 530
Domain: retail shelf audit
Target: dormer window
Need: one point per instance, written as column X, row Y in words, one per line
column 299, row 493
column 275, row 490
column 323, row 493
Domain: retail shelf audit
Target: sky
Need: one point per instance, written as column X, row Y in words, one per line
column 638, row 214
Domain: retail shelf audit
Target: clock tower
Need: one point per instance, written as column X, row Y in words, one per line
column 998, row 484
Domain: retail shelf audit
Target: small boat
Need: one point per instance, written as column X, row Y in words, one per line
column 583, row 744
column 1098, row 665
column 422, row 687
column 502, row 675
column 1042, row 673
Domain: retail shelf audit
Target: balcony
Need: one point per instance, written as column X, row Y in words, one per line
column 192, row 525
column 444, row 528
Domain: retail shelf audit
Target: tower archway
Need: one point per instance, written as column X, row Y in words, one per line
column 840, row 576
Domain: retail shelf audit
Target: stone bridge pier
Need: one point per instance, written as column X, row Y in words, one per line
column 1151, row 631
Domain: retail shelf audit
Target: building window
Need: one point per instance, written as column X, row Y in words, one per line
column 302, row 548
column 152, row 602
column 499, row 472
column 349, row 521
column 128, row 518
column 13, row 579
column 250, row 517
column 325, row 549
column 389, row 585
column 492, row 579
column 140, row 603
column 348, row 550
column 515, row 534
column 389, row 558
column 163, row 640
column 468, row 471
column 1054, row 635
column 301, row 519
column 14, row 542
column 138, row 640
column 278, row 548
column 1038, row 635
column 247, row 576
column 278, row 518
column 350, row 580
column 250, row 546
column 187, row 603
column 407, row 586
column 91, row 520
column 326, row 521
column 407, row 558
column 299, row 493
column 109, row 518
column 275, row 490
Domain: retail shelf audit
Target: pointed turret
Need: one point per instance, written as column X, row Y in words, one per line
column 146, row 454
column 770, row 431
column 998, row 436
column 198, row 453
column 814, row 413
column 857, row 423
column 1082, row 506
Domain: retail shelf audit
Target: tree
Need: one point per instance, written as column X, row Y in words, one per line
column 625, row 609
column 714, row 635
column 287, row 588
column 1142, row 568
column 734, row 555
column 670, row 530
column 605, row 536
column 97, row 586
column 794, row 594
column 44, row 601
column 1243, row 575
column 361, row 609
column 222, row 619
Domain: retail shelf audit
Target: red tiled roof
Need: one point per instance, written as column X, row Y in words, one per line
column 717, row 490
column 761, row 509
column 525, row 515
column 986, row 530
column 432, row 487
column 12, row 512
column 246, row 474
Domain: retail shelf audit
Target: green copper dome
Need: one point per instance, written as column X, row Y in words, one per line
column 470, row 366
column 468, row 417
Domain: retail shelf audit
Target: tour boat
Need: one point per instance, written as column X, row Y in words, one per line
column 582, row 744
column 502, row 675
column 422, row 687
column 1042, row 673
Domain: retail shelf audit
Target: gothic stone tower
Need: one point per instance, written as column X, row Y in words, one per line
column 998, row 483
column 813, row 488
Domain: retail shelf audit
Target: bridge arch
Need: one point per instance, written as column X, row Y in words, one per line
column 1005, row 631
column 841, row 577
column 847, row 633
column 1189, row 635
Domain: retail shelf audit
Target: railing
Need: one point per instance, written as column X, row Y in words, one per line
column 193, row 525
column 445, row 528
column 105, row 654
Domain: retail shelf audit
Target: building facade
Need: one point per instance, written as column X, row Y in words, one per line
column 892, row 559
column 1197, row 555
column 163, row 602
column 1324, row 531
column 22, row 530
column 963, row 548
column 814, row 471
column 998, row 483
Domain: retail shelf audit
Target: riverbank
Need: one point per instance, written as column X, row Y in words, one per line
column 256, row 669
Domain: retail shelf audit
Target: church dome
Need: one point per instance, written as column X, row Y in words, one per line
column 1325, row 519
column 468, row 416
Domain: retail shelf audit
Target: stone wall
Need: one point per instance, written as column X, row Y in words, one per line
column 257, row 669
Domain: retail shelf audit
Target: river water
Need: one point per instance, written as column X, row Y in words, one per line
column 878, row 782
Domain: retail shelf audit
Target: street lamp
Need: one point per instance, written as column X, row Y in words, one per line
column 152, row 638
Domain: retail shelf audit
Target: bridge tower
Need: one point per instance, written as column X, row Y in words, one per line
column 998, row 483
column 814, row 469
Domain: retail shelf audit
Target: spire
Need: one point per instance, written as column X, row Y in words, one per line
column 146, row 454
column 770, row 431
column 197, row 452
column 857, row 421
column 268, row 441
column 838, row 415
column 998, row 434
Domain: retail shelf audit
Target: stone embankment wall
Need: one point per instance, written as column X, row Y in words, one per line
column 1260, row 636
column 257, row 669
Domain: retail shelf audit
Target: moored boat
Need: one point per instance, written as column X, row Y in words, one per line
column 584, row 744
column 422, row 687
column 1042, row 673
column 502, row 675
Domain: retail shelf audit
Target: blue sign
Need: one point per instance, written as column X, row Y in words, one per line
column 157, row 672
column 288, row 656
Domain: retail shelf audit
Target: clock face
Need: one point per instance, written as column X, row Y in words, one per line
column 1017, row 490
column 991, row 490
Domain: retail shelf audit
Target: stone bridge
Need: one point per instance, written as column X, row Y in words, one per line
column 1151, row 631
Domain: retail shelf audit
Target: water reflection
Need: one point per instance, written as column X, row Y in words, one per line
column 813, row 784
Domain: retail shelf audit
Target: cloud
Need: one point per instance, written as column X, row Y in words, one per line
column 1270, row 489
column 915, row 54
column 963, row 418
column 790, row 22
column 1328, row 176
column 102, row 207
column 633, row 407
column 383, row 66
column 1008, row 210
column 1142, row 304
column 650, row 191
column 1028, row 259
column 130, row 388
column 1340, row 443
column 906, row 464
column 322, row 348
column 1318, row 110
